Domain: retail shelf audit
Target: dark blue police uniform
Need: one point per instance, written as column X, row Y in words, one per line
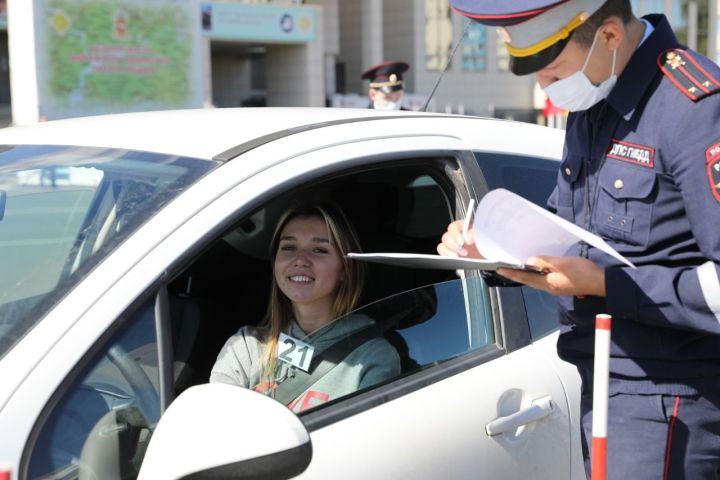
column 640, row 169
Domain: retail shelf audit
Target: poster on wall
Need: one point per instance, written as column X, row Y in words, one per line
column 113, row 56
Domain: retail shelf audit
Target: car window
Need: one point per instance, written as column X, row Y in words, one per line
column 437, row 322
column 385, row 340
column 102, row 424
column 534, row 179
column 63, row 209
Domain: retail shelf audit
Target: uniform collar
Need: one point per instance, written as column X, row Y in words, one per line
column 642, row 67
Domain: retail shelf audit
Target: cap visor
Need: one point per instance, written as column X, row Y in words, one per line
column 533, row 63
column 389, row 89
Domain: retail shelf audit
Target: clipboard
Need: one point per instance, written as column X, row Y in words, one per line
column 439, row 262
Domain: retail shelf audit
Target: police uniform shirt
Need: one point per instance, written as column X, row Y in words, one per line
column 642, row 170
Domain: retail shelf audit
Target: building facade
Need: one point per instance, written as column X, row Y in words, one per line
column 233, row 53
column 477, row 81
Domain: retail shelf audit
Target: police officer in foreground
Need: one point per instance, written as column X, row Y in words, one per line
column 386, row 85
column 641, row 169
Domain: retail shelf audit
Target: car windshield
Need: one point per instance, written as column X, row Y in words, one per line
column 64, row 209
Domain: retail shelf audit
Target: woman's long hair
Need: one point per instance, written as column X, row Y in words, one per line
column 279, row 313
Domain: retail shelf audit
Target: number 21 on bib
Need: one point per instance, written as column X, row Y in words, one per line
column 295, row 352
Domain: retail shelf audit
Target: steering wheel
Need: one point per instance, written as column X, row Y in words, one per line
column 141, row 385
column 115, row 446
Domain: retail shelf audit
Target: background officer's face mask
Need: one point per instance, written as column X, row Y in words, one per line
column 387, row 100
column 577, row 92
column 386, row 105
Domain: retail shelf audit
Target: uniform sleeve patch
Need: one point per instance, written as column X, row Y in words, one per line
column 687, row 74
column 632, row 153
column 712, row 156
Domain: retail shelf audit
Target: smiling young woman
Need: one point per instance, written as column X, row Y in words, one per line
column 314, row 290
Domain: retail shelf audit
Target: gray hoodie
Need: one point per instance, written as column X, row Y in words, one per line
column 239, row 362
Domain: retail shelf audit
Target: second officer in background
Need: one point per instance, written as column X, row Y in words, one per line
column 386, row 85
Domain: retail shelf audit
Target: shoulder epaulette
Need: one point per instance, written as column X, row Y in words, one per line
column 687, row 74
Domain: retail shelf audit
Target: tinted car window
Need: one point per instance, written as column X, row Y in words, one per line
column 453, row 327
column 425, row 326
column 63, row 210
column 533, row 179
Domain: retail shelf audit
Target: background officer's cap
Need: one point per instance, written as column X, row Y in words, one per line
column 386, row 76
column 534, row 31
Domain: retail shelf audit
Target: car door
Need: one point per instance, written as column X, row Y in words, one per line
column 434, row 422
column 534, row 179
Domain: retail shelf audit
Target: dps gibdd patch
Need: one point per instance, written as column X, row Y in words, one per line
column 712, row 155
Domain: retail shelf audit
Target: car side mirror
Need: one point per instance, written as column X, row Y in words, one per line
column 222, row 431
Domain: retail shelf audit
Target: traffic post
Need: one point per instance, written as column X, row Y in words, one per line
column 598, row 466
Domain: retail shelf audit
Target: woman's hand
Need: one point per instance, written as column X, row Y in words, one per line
column 565, row 276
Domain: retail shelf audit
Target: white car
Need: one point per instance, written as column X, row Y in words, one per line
column 132, row 246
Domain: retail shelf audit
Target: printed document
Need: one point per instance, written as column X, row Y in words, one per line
column 508, row 230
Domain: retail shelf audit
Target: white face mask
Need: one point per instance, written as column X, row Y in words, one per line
column 385, row 105
column 577, row 92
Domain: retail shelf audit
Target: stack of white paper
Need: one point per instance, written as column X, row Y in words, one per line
column 508, row 230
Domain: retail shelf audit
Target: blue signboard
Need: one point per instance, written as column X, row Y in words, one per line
column 263, row 23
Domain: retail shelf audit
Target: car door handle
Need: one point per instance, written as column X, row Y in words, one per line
column 539, row 408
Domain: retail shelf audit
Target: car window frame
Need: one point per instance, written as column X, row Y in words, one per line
column 457, row 167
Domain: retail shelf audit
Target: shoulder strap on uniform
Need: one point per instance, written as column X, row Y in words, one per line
column 325, row 361
column 687, row 74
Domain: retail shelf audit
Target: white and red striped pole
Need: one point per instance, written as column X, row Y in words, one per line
column 601, row 376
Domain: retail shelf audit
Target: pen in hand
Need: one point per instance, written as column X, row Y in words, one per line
column 466, row 223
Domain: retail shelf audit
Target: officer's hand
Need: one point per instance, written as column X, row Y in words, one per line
column 565, row 276
column 454, row 245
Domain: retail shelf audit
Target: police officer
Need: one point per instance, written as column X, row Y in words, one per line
column 641, row 169
column 386, row 85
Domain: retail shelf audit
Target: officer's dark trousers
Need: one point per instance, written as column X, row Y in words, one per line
column 658, row 436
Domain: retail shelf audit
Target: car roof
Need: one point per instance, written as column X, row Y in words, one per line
column 199, row 133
